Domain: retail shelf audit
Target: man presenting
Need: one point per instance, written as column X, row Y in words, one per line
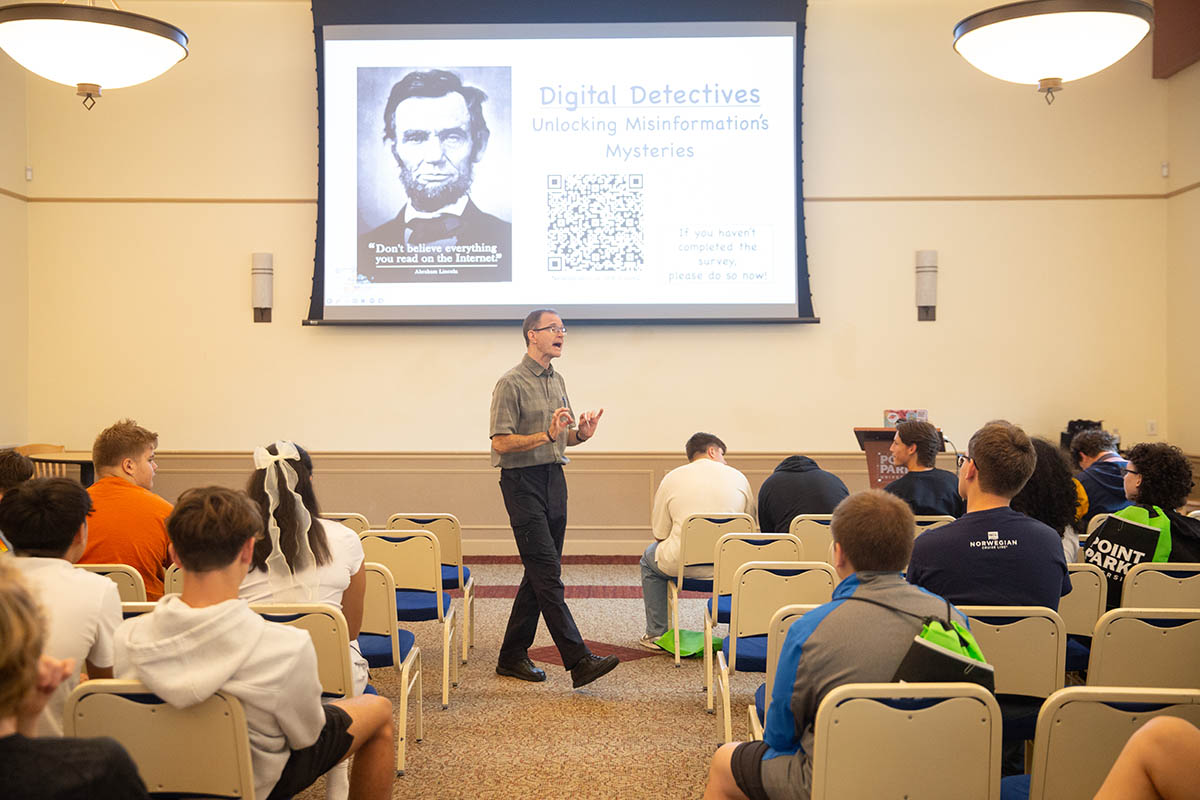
column 435, row 128
column 531, row 427
column 705, row 484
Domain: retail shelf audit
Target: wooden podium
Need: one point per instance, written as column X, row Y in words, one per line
column 875, row 443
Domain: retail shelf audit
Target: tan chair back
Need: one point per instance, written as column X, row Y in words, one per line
column 355, row 522
column 1082, row 729
column 777, row 631
column 1150, row 586
column 763, row 587
column 40, row 447
column 1082, row 607
column 927, row 522
column 444, row 526
column 134, row 609
column 1027, row 646
column 203, row 749
column 130, row 585
column 173, row 580
column 813, row 531
column 330, row 637
column 1128, row 649
column 413, row 557
column 735, row 549
column 1096, row 522
column 854, row 727
column 379, row 604
column 699, row 534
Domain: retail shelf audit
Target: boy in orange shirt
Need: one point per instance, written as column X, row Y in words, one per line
column 128, row 521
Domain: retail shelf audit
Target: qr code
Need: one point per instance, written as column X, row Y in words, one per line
column 594, row 223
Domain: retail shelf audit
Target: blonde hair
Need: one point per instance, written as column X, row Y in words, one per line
column 121, row 440
column 22, row 635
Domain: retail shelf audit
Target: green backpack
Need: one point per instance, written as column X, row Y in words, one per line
column 944, row 650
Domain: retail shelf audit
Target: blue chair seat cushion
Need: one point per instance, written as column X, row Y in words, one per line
column 724, row 604
column 450, row 576
column 751, row 653
column 416, row 606
column 1078, row 653
column 1015, row 787
column 697, row 584
column 760, row 703
column 377, row 649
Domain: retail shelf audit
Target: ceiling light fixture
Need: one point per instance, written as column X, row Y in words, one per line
column 1049, row 42
column 88, row 47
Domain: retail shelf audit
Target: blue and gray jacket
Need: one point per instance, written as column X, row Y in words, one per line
column 837, row 643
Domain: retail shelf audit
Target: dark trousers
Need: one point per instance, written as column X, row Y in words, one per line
column 536, row 499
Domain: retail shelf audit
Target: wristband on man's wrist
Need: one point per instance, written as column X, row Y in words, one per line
column 551, row 438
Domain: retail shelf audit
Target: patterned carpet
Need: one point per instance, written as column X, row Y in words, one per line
column 640, row 731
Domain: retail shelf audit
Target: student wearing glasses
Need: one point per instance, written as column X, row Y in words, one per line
column 1158, row 479
column 993, row 555
column 531, row 427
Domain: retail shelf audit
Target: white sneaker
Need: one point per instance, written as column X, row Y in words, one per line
column 650, row 643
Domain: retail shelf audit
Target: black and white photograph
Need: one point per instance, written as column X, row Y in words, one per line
column 434, row 166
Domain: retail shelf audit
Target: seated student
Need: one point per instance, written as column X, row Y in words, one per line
column 1158, row 479
column 322, row 559
column 993, row 555
column 15, row 468
column 51, row 768
column 927, row 489
column 703, row 485
column 45, row 519
column 1102, row 471
column 206, row 639
column 837, row 643
column 797, row 486
column 1050, row 496
column 128, row 524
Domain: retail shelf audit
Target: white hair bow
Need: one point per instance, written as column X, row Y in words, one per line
column 296, row 582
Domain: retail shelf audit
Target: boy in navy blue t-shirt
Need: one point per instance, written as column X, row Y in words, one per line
column 993, row 555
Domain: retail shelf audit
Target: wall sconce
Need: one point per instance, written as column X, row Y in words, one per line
column 927, row 269
column 262, row 285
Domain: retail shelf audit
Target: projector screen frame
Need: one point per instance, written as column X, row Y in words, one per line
column 477, row 14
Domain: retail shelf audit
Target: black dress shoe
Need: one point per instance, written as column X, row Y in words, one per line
column 591, row 667
column 523, row 669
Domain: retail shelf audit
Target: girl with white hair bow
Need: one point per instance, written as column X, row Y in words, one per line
column 304, row 558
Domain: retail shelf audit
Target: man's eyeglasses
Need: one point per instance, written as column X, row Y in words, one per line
column 1129, row 471
column 962, row 459
column 552, row 329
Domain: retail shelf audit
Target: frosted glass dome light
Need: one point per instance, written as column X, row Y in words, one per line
column 88, row 47
column 1048, row 42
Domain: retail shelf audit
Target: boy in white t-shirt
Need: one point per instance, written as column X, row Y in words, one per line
column 45, row 520
column 206, row 639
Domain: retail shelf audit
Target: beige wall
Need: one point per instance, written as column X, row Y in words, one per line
column 1183, row 259
column 14, row 258
column 142, row 308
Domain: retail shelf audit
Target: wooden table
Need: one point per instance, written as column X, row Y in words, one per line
column 55, row 465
